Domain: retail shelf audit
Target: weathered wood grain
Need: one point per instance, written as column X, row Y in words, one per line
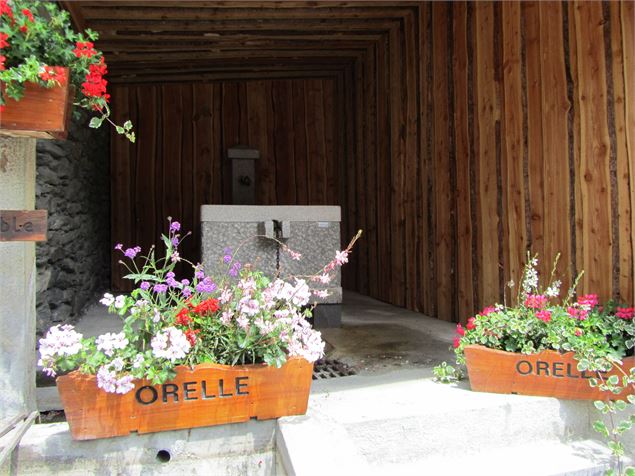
column 555, row 147
column 513, row 138
column 595, row 149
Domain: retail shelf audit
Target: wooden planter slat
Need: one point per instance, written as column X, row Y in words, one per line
column 194, row 398
column 42, row 113
column 547, row 373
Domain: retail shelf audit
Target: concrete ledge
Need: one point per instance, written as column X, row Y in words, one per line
column 310, row 446
column 258, row 213
column 236, row 449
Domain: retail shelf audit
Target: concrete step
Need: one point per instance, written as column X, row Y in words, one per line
column 392, row 417
column 403, row 423
column 547, row 458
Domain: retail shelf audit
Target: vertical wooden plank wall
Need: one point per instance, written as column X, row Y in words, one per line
column 523, row 136
column 184, row 130
column 543, row 95
column 466, row 135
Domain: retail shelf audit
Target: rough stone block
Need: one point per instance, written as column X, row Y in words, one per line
column 327, row 315
column 243, row 239
column 312, row 231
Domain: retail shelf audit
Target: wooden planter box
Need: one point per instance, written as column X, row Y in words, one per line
column 42, row 113
column 547, row 373
column 209, row 394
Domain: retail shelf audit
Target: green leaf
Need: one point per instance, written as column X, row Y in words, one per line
column 120, row 130
column 623, row 427
column 630, row 471
column 601, row 428
column 127, row 125
column 95, row 122
column 613, row 380
column 620, row 405
column 600, row 405
column 616, row 447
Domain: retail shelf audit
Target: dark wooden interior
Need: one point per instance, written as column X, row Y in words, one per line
column 458, row 135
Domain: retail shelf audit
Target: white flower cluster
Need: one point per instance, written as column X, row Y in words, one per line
column 530, row 280
column 108, row 380
column 110, row 342
column 109, row 300
column 60, row 341
column 171, row 344
column 305, row 342
column 297, row 295
column 553, row 290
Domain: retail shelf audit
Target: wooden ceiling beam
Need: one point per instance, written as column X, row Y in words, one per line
column 233, row 28
column 261, row 5
column 148, row 12
column 156, row 70
column 176, row 76
column 146, row 56
column 330, row 41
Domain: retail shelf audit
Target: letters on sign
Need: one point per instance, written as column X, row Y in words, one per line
column 202, row 390
column 552, row 369
column 23, row 225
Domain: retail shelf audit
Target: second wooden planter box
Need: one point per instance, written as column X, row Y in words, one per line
column 42, row 113
column 209, row 394
column 547, row 373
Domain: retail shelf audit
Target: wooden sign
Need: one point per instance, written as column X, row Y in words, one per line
column 23, row 225
column 547, row 373
column 205, row 395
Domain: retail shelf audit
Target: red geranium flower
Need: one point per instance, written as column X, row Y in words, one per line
column 5, row 9
column 27, row 13
column 2, row 60
column 55, row 73
column 208, row 306
column 84, row 49
column 190, row 335
column 459, row 330
column 3, row 40
column 457, row 342
column 471, row 323
column 24, row 28
column 183, row 318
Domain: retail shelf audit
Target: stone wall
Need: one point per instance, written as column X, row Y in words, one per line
column 73, row 184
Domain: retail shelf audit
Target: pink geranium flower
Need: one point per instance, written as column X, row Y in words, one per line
column 536, row 301
column 544, row 315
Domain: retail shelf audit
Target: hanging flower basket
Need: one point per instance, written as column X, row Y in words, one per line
column 208, row 394
column 36, row 98
column 547, row 373
column 43, row 113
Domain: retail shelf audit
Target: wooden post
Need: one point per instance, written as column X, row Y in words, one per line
column 17, row 284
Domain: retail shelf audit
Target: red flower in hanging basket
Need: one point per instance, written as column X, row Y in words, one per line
column 53, row 73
